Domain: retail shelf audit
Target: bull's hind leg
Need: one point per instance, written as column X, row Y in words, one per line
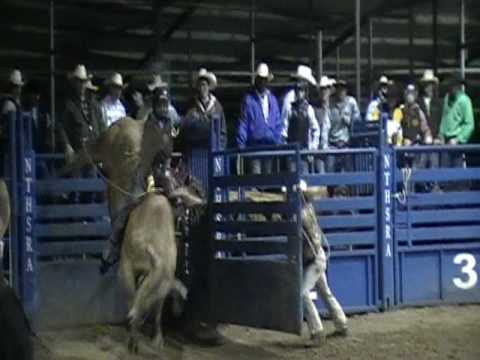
column 128, row 280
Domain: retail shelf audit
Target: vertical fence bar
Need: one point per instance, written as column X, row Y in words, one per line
column 370, row 57
column 252, row 39
column 411, row 23
column 386, row 181
column 319, row 55
column 337, row 67
column 435, row 35
column 462, row 38
column 52, row 73
column 357, row 50
column 14, row 267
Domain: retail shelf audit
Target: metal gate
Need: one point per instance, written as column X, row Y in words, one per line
column 437, row 226
column 256, row 250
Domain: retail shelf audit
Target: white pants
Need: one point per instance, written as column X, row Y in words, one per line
column 315, row 274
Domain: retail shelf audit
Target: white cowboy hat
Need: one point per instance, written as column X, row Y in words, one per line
column 80, row 73
column 15, row 78
column 115, row 80
column 429, row 77
column 325, row 82
column 156, row 82
column 264, row 72
column 304, row 73
column 209, row 76
column 384, row 80
column 333, row 82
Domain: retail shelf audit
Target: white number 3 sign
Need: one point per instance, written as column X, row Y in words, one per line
column 468, row 263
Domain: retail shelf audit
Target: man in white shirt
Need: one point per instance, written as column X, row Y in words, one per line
column 112, row 107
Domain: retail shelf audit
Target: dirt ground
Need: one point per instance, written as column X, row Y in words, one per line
column 451, row 332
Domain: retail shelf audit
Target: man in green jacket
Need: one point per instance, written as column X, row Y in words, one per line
column 457, row 124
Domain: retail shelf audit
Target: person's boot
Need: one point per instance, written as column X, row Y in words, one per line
column 341, row 331
column 318, row 339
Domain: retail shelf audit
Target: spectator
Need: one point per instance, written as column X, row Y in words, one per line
column 343, row 112
column 457, row 125
column 204, row 127
column 82, row 120
column 300, row 123
column 415, row 128
column 322, row 113
column 9, row 105
column 112, row 107
column 430, row 103
column 145, row 105
column 380, row 106
column 260, row 122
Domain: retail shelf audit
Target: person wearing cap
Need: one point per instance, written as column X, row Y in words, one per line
column 415, row 128
column 156, row 82
column 300, row 123
column 260, row 122
column 380, row 106
column 112, row 107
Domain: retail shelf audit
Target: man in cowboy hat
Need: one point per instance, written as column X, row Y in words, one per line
column 343, row 113
column 380, row 106
column 10, row 107
column 82, row 118
column 430, row 103
column 299, row 121
column 322, row 113
column 204, row 126
column 260, row 122
column 112, row 107
column 202, row 129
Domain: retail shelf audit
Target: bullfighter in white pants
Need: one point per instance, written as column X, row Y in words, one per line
column 315, row 266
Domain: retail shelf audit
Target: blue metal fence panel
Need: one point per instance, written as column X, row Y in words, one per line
column 437, row 235
column 350, row 223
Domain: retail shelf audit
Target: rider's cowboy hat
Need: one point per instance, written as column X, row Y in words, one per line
column 80, row 73
column 209, row 76
column 325, row 82
column 156, row 82
column 115, row 80
column 304, row 73
column 15, row 78
column 384, row 81
column 429, row 77
column 264, row 72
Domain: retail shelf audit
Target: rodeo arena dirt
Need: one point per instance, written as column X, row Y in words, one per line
column 238, row 179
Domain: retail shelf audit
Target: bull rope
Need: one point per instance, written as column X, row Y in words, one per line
column 402, row 195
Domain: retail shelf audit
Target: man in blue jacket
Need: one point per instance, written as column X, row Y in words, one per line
column 260, row 123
